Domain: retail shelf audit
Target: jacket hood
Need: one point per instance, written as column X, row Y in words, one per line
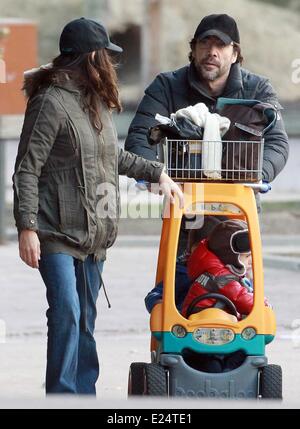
column 203, row 260
column 227, row 241
column 30, row 77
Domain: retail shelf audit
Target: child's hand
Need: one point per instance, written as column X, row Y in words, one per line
column 267, row 304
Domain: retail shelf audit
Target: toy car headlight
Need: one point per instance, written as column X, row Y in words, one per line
column 215, row 336
column 179, row 331
column 248, row 333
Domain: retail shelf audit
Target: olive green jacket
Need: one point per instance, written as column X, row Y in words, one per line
column 66, row 185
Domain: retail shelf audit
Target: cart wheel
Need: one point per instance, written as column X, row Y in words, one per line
column 136, row 378
column 155, row 380
column 271, row 382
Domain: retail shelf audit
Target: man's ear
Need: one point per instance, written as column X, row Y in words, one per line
column 234, row 57
column 193, row 53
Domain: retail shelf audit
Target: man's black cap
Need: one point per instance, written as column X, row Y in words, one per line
column 222, row 26
column 85, row 35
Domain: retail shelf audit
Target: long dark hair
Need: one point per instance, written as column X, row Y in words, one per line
column 95, row 76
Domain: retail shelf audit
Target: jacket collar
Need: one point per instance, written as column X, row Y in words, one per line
column 202, row 259
column 68, row 85
column 233, row 85
column 234, row 81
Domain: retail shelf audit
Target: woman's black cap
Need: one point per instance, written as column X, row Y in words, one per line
column 220, row 25
column 85, row 35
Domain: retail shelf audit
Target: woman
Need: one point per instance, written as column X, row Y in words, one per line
column 66, row 195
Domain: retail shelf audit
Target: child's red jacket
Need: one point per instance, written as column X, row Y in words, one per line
column 202, row 260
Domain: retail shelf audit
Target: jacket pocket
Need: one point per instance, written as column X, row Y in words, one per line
column 71, row 210
column 111, row 233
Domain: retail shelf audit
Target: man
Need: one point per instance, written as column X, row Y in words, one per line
column 214, row 71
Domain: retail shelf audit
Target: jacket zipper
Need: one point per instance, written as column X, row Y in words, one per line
column 82, row 188
column 99, row 233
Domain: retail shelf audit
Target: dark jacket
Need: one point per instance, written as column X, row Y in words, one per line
column 66, row 175
column 180, row 88
column 182, row 284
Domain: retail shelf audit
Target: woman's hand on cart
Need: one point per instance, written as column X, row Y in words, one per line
column 169, row 188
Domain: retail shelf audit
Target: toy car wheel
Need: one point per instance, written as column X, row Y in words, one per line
column 155, row 380
column 136, row 378
column 271, row 382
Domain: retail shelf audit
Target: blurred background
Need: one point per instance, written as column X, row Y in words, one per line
column 155, row 35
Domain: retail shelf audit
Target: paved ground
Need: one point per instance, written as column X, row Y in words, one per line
column 122, row 331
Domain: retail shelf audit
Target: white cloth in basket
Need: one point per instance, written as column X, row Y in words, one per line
column 215, row 126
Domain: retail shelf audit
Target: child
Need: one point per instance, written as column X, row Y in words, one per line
column 226, row 252
column 182, row 280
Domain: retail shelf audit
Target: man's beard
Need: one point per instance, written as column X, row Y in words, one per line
column 209, row 74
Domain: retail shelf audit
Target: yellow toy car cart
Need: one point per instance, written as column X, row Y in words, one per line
column 226, row 190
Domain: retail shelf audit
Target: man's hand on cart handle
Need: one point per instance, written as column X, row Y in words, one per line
column 263, row 187
column 142, row 185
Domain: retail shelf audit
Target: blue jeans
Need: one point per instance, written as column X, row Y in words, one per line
column 72, row 361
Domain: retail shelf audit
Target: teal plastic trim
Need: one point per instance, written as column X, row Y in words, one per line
column 172, row 344
column 269, row 339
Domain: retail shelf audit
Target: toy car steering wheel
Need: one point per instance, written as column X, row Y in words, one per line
column 230, row 307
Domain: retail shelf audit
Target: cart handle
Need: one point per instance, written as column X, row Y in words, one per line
column 263, row 188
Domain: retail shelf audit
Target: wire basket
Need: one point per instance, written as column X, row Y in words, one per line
column 200, row 160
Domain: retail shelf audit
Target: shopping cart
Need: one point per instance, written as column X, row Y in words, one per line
column 220, row 180
column 232, row 161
